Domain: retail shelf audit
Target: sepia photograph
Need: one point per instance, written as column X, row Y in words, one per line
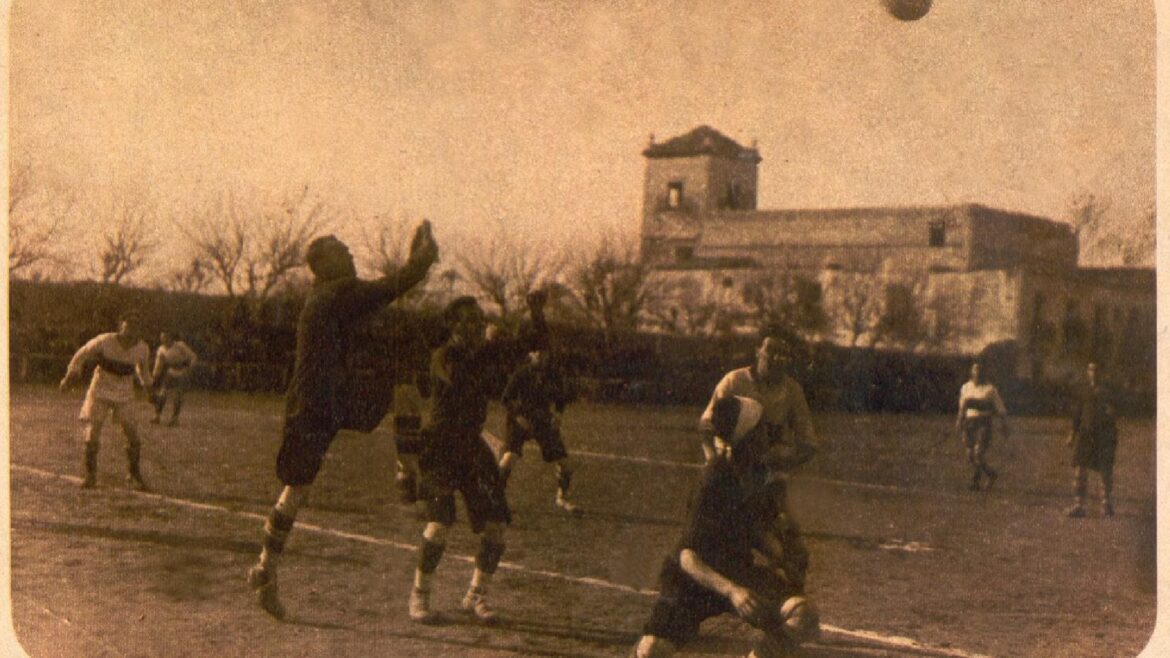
column 567, row 329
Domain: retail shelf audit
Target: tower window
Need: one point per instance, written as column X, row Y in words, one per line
column 682, row 254
column 674, row 194
column 938, row 233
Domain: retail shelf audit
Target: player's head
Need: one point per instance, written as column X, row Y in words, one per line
column 538, row 357
column 127, row 324
column 976, row 372
column 733, row 419
column 773, row 354
column 1091, row 372
column 166, row 338
column 464, row 319
column 329, row 258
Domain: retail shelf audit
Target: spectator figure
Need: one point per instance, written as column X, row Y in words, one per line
column 979, row 404
column 120, row 357
column 174, row 361
column 1093, row 439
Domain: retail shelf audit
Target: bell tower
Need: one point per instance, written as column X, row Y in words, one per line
column 689, row 178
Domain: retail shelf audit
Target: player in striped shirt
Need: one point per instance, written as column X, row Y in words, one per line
column 120, row 357
column 979, row 404
column 173, row 363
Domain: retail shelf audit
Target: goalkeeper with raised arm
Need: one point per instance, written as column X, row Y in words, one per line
column 320, row 399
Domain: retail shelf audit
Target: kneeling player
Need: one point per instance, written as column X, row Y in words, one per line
column 455, row 457
column 535, row 397
column 712, row 570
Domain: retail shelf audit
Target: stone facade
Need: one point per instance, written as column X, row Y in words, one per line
column 971, row 276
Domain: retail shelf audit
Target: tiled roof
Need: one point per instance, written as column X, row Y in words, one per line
column 703, row 140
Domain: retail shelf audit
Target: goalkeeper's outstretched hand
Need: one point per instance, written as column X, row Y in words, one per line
column 423, row 247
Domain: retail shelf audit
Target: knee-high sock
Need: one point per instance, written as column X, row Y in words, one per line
column 564, row 479
column 487, row 560
column 91, row 455
column 133, row 458
column 276, row 531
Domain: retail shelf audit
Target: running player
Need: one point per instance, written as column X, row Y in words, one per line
column 792, row 440
column 454, row 455
column 712, row 571
column 535, row 398
column 979, row 404
column 120, row 357
column 174, row 361
column 317, row 403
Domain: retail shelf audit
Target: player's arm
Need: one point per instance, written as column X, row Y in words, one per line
column 1001, row 411
column 159, row 364
column 142, row 368
column 514, row 392
column 706, row 426
column 77, row 363
column 369, row 295
column 741, row 598
column 963, row 400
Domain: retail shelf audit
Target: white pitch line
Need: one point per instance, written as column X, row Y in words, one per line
column 810, row 478
column 892, row 641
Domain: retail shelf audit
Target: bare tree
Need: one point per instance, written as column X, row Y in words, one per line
column 900, row 321
column 503, row 271
column 193, row 277
column 855, row 304
column 686, row 306
column 127, row 245
column 787, row 300
column 36, row 225
column 611, row 286
column 252, row 249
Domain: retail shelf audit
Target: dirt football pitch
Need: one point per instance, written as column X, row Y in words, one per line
column 906, row 561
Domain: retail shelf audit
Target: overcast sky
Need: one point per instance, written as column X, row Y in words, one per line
column 535, row 114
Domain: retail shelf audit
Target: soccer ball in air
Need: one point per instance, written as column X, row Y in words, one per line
column 907, row 10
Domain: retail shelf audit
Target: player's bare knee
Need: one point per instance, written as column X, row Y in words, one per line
column 652, row 646
column 93, row 433
column 436, row 532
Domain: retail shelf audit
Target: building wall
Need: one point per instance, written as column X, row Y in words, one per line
column 1010, row 240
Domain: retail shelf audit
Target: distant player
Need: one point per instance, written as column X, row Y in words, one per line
column 787, row 422
column 535, row 398
column 455, row 458
column 174, row 361
column 979, row 405
column 120, row 357
column 1094, row 440
column 318, row 405
column 712, row 570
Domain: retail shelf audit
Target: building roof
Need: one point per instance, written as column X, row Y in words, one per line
column 703, row 140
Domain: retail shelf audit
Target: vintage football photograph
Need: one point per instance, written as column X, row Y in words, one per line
column 582, row 329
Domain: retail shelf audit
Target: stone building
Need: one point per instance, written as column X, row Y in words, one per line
column 946, row 279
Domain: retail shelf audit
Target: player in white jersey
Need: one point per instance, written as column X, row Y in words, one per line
column 120, row 357
column 174, row 362
column 979, row 404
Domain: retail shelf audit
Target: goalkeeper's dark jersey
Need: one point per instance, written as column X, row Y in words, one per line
column 317, row 392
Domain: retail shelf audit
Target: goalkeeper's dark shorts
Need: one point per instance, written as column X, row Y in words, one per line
column 302, row 449
column 460, row 461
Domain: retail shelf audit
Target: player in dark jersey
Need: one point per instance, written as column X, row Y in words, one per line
column 320, row 399
column 455, row 458
column 711, row 570
column 535, row 398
